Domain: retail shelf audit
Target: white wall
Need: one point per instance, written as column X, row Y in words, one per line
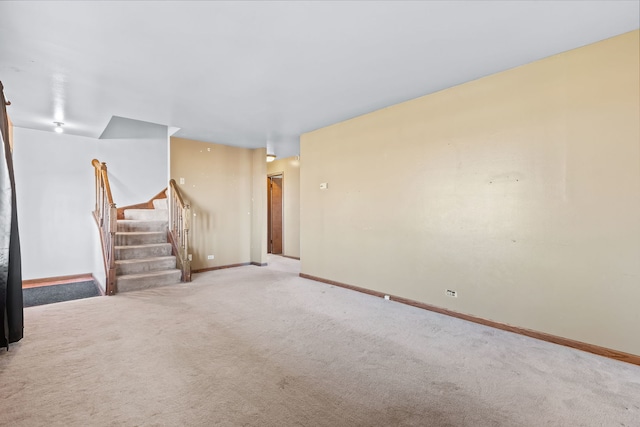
column 55, row 196
column 137, row 167
column 98, row 270
column 55, row 190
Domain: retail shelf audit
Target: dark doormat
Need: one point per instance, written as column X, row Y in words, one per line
column 57, row 293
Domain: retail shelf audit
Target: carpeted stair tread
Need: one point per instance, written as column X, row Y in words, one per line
column 139, row 233
column 142, row 265
column 124, row 238
column 142, row 251
column 143, row 256
column 133, row 261
column 134, row 282
column 134, row 225
column 150, row 273
column 160, row 204
column 142, row 246
column 146, row 214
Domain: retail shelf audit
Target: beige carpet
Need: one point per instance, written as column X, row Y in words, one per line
column 259, row 346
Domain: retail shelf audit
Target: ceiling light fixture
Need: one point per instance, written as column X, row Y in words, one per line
column 271, row 157
column 58, row 128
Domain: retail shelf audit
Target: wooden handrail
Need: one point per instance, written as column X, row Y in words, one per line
column 179, row 222
column 174, row 187
column 105, row 214
column 102, row 167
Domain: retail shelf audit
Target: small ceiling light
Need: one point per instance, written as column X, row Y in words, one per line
column 271, row 157
column 58, row 128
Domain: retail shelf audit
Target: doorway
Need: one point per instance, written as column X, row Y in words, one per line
column 274, row 213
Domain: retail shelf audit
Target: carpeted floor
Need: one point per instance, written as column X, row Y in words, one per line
column 259, row 346
column 57, row 293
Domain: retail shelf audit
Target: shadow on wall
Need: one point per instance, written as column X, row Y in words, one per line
column 202, row 236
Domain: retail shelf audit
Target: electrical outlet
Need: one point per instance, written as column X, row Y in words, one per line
column 210, row 256
column 451, row 293
column 387, row 297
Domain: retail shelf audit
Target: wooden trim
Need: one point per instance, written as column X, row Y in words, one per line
column 269, row 217
column 144, row 205
column 101, row 169
column 221, row 267
column 343, row 285
column 58, row 280
column 264, row 264
column 292, row 257
column 578, row 345
column 174, row 187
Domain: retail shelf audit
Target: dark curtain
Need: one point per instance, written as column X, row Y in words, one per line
column 12, row 319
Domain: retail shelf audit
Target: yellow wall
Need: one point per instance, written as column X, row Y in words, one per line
column 219, row 183
column 258, row 206
column 520, row 190
column 290, row 168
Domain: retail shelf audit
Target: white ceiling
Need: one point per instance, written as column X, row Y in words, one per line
column 256, row 74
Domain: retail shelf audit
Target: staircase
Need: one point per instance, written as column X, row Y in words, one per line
column 142, row 252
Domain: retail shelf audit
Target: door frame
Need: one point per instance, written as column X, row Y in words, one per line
column 269, row 244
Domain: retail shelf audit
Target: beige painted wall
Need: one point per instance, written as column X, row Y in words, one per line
column 520, row 190
column 218, row 184
column 258, row 206
column 290, row 168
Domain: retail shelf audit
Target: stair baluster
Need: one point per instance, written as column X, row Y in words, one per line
column 105, row 215
column 179, row 223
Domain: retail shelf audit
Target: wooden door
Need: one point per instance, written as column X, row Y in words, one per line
column 274, row 228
